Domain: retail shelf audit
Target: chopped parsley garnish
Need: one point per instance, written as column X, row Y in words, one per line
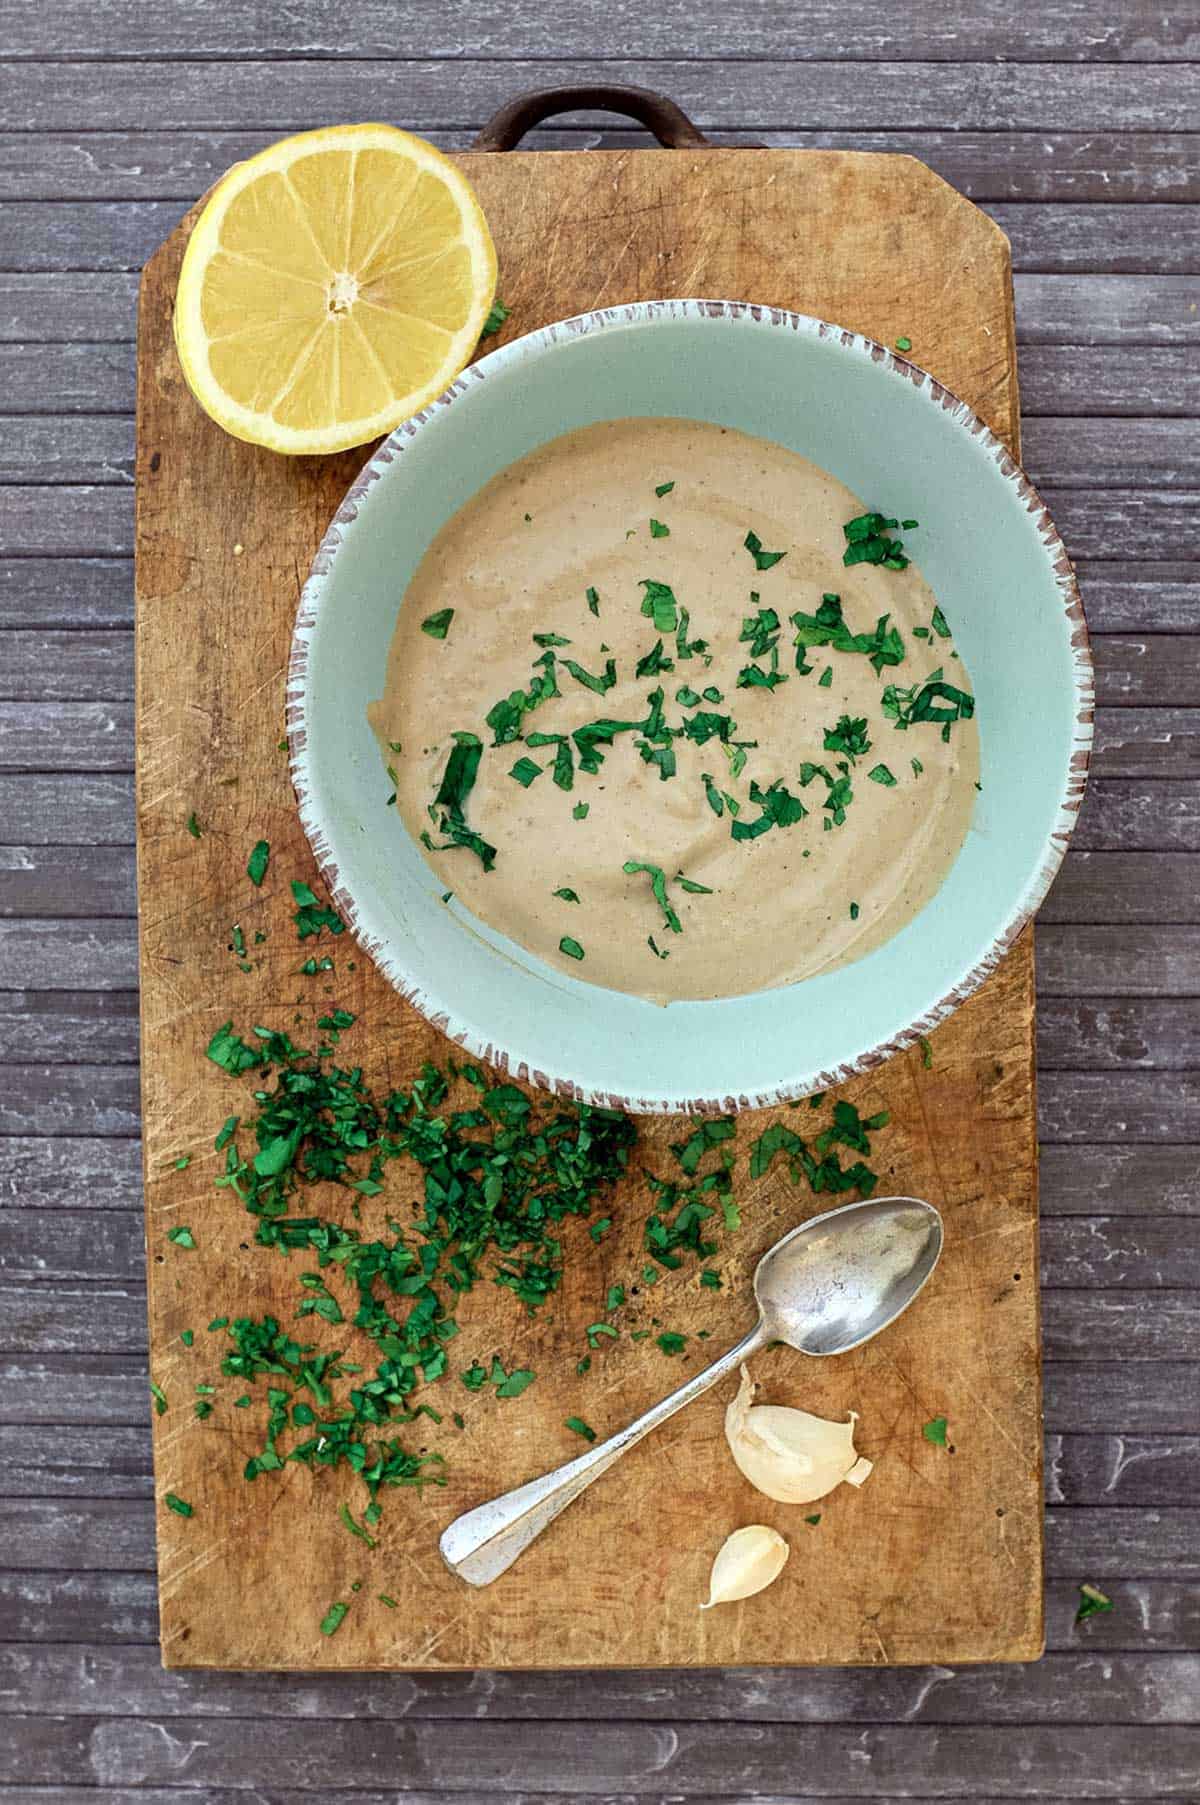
column 496, row 318
column 568, row 895
column 658, row 883
column 256, row 864
column 668, row 1341
column 904, row 344
column 509, row 1385
column 926, row 1052
column 183, row 1162
column 848, row 736
column 664, row 489
column 839, row 793
column 525, row 771
column 458, row 780
column 825, row 680
column 814, row 1519
column 719, row 800
column 709, row 1134
column 179, row 1505
column 881, row 774
column 868, row 542
column 828, row 628
column 593, row 601
column 577, row 1426
column 917, row 766
column 654, row 662
column 762, row 560
column 356, row 1529
column 711, row 1280
column 655, row 948
column 939, row 624
column 691, row 886
column 615, row 1298
column 598, row 685
column 438, row 625
column 505, row 717
column 935, row 1431
column 854, row 911
column 822, row 1167
column 182, row 1237
column 160, row 1398
column 658, row 530
column 660, row 604
column 193, row 826
column 688, row 698
column 331, row 1622
column 311, row 916
column 580, row 811
column 933, row 700
column 1092, row 1601
column 187, row 1336
column 571, row 948
column 389, row 1602
column 550, row 639
column 779, row 809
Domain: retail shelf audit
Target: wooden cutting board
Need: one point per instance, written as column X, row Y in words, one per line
column 938, row 1557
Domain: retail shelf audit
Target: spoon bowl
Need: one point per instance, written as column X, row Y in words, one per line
column 840, row 1278
column 825, row 1288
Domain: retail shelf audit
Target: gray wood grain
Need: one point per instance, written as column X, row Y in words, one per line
column 432, row 95
column 94, row 808
column 643, row 1760
column 67, row 592
column 1075, row 1034
column 55, row 955
column 1130, row 1688
column 839, row 30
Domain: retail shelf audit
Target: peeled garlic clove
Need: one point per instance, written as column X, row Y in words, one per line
column 746, row 1563
column 788, row 1454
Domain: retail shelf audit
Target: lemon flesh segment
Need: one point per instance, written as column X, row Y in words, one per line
column 333, row 285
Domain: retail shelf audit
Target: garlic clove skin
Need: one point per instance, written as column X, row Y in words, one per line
column 788, row 1454
column 747, row 1562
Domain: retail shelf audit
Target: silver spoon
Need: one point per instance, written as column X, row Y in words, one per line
column 827, row 1287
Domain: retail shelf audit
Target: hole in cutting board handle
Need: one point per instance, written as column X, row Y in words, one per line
column 669, row 123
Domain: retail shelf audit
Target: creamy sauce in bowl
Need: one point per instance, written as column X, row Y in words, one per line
column 799, row 817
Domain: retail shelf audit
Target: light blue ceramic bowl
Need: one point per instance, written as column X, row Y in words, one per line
column 990, row 552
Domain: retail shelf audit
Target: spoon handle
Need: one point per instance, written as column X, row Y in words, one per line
column 483, row 1543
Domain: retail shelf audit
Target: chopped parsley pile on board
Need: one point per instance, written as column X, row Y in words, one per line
column 375, row 1319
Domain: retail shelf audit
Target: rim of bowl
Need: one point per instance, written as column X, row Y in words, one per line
column 531, row 344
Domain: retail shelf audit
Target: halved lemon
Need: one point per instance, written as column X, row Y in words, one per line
column 333, row 285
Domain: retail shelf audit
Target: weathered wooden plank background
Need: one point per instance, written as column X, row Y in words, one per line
column 1078, row 127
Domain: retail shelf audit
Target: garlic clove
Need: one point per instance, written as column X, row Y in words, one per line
column 747, row 1562
column 790, row 1455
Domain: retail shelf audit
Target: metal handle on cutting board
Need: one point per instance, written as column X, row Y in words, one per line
column 669, row 123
